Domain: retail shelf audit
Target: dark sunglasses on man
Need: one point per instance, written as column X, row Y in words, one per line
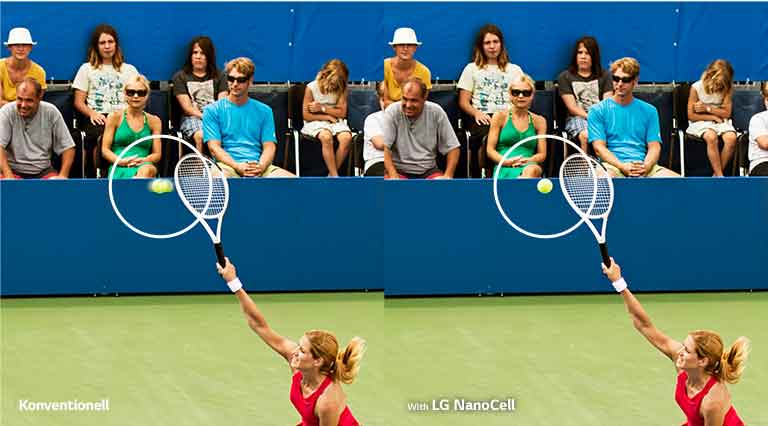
column 232, row 79
column 617, row 79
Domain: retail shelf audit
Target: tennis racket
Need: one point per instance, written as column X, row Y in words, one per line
column 589, row 190
column 203, row 189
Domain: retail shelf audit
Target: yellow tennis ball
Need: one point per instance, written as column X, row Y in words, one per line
column 156, row 186
column 544, row 186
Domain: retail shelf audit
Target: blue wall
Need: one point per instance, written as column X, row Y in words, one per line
column 290, row 41
column 62, row 237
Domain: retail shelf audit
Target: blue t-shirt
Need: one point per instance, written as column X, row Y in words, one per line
column 626, row 130
column 242, row 129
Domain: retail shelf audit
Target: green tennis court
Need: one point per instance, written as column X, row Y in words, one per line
column 191, row 360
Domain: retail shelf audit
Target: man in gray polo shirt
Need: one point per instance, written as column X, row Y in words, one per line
column 29, row 130
column 415, row 130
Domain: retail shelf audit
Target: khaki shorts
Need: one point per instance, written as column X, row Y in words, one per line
column 229, row 172
column 653, row 172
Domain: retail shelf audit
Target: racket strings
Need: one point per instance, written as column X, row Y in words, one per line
column 589, row 193
column 195, row 183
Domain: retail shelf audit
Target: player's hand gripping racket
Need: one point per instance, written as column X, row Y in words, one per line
column 203, row 189
column 589, row 190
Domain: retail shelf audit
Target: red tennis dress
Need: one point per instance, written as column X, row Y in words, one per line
column 306, row 406
column 691, row 406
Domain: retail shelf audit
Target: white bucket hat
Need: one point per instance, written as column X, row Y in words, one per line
column 19, row 35
column 404, row 36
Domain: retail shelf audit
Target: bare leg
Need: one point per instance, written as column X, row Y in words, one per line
column 326, row 139
column 198, row 138
column 345, row 139
column 146, row 171
column 729, row 146
column 583, row 140
column 531, row 171
column 713, row 153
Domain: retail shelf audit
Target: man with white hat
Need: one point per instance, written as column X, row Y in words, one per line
column 17, row 66
column 402, row 66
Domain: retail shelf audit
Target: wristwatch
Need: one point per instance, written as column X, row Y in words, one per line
column 323, row 108
column 709, row 109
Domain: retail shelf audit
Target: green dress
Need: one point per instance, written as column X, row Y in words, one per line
column 125, row 136
column 510, row 136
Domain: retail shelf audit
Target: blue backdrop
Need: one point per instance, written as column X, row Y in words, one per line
column 409, row 237
column 290, row 41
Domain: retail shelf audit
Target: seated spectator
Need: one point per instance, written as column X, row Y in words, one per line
column 325, row 113
column 582, row 85
column 625, row 131
column 511, row 126
column 758, row 138
column 373, row 135
column 99, row 85
column 402, row 66
column 120, row 132
column 484, row 85
column 197, row 85
column 240, row 131
column 415, row 130
column 709, row 113
column 30, row 129
column 17, row 66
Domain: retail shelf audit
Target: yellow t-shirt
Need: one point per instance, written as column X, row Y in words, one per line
column 9, row 89
column 393, row 89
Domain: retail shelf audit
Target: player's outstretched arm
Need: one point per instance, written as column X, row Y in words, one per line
column 640, row 318
column 256, row 320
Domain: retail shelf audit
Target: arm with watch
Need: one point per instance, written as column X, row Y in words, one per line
column 315, row 111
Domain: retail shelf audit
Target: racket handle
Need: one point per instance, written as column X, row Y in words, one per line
column 220, row 254
column 604, row 253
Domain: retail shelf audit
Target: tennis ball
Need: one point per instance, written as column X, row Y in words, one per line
column 544, row 186
column 156, row 186
column 167, row 185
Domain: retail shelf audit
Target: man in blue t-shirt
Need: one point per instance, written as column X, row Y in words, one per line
column 625, row 131
column 240, row 131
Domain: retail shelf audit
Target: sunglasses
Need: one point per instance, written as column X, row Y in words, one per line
column 617, row 79
column 233, row 79
column 525, row 93
column 131, row 93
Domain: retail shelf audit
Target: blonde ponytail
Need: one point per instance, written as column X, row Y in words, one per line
column 348, row 361
column 733, row 360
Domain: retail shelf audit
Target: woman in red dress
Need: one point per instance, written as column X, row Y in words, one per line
column 319, row 367
column 703, row 365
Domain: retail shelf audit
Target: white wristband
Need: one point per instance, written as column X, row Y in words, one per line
column 620, row 285
column 235, row 285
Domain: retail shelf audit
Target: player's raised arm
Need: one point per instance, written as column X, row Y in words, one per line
column 256, row 320
column 640, row 318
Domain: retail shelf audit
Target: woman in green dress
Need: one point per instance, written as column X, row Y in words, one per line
column 510, row 126
column 129, row 125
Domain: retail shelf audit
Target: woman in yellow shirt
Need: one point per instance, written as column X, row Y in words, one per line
column 402, row 66
column 18, row 66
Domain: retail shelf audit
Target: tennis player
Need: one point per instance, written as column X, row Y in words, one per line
column 318, row 366
column 703, row 366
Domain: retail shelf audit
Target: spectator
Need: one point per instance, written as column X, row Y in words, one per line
column 582, row 85
column 240, row 131
column 119, row 134
column 29, row 129
column 484, row 86
column 709, row 113
column 625, row 131
column 415, row 130
column 505, row 132
column 17, row 66
column 758, row 139
column 99, row 85
column 373, row 134
column 196, row 86
column 325, row 113
column 402, row 66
